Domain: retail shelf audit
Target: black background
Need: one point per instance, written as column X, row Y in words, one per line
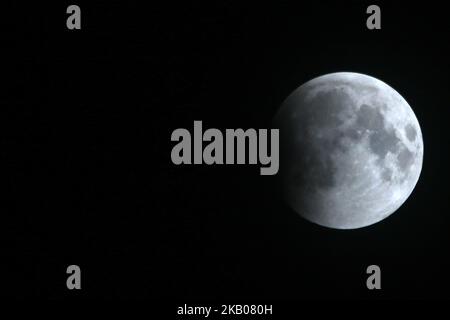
column 86, row 117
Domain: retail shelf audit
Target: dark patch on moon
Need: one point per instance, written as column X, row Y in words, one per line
column 405, row 159
column 353, row 133
column 381, row 139
column 307, row 144
column 382, row 142
column 369, row 118
column 321, row 173
column 387, row 174
column 326, row 108
column 411, row 133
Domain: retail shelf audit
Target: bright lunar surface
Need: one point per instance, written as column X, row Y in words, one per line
column 351, row 150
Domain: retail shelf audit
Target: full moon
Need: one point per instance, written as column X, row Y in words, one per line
column 351, row 150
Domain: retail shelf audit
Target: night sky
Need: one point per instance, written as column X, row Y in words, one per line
column 85, row 123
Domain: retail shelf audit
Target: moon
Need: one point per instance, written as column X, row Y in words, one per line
column 351, row 150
